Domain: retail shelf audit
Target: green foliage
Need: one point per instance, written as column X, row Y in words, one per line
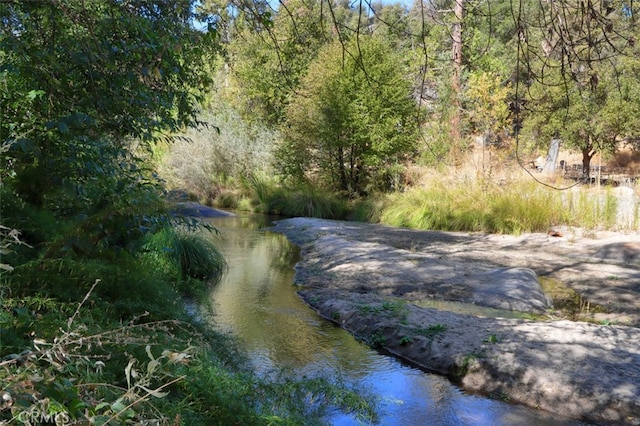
column 431, row 331
column 492, row 338
column 269, row 49
column 466, row 365
column 22, row 319
column 392, row 308
column 35, row 226
column 270, row 53
column 405, row 340
column 352, row 119
column 90, row 67
column 80, row 80
column 168, row 372
column 366, row 209
column 436, row 147
column 114, row 221
column 376, row 339
column 488, row 109
column 128, row 287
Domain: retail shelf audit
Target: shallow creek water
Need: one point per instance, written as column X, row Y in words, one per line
column 256, row 300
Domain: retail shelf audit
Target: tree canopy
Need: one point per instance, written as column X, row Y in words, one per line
column 80, row 80
column 83, row 79
column 580, row 64
column 352, row 119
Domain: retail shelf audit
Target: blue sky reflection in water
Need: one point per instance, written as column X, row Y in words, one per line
column 256, row 301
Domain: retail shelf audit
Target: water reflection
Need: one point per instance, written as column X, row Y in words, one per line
column 256, row 301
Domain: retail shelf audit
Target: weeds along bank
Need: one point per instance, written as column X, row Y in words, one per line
column 506, row 207
column 511, row 208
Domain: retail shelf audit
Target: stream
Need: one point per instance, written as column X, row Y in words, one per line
column 256, row 301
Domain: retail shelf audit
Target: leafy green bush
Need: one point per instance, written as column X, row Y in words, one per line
column 36, row 226
column 351, row 121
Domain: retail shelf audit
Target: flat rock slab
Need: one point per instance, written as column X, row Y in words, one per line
column 370, row 266
column 365, row 277
column 604, row 268
column 512, row 289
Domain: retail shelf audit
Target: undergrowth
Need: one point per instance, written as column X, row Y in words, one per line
column 158, row 372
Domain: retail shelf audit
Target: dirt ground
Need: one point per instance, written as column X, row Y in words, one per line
column 375, row 282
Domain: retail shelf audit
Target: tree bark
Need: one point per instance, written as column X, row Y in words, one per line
column 456, row 34
column 587, row 155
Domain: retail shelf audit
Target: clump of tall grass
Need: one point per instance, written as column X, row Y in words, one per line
column 508, row 208
column 310, row 202
column 524, row 207
column 366, row 209
column 304, row 201
column 475, row 207
column 194, row 255
column 591, row 208
column 263, row 188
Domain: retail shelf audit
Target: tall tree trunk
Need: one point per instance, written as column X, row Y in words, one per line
column 587, row 155
column 457, row 71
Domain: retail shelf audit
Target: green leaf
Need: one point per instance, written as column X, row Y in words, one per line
column 102, row 405
column 118, row 406
column 34, row 94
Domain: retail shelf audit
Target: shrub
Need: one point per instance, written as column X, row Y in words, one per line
column 352, row 120
column 219, row 155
